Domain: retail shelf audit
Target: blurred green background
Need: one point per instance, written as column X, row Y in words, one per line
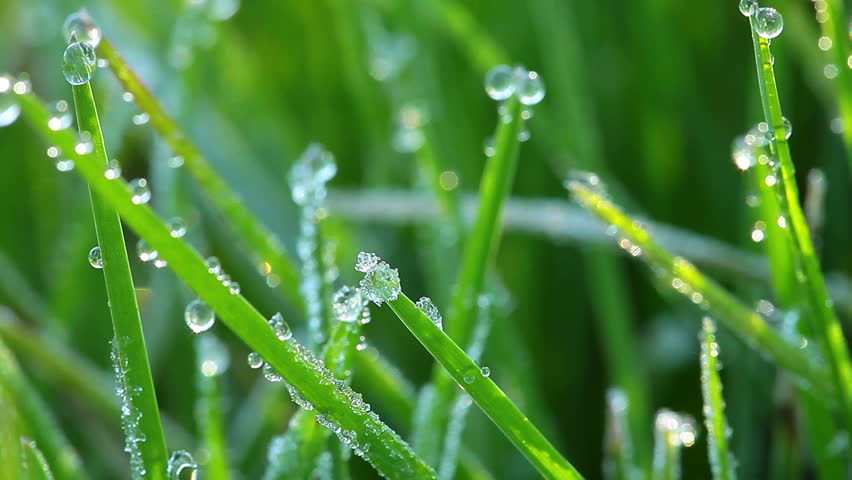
column 649, row 95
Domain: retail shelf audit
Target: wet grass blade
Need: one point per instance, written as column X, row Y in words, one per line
column 618, row 446
column 265, row 246
column 484, row 392
column 387, row 452
column 822, row 323
column 721, row 461
column 693, row 284
column 127, row 324
column 35, row 464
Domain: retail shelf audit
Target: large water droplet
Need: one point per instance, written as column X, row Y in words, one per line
column 78, row 63
column 80, row 27
column 530, row 88
column 255, row 360
column 748, row 7
column 182, row 466
column 95, row 258
column 280, row 327
column 177, row 227
column 9, row 108
column 429, row 309
column 381, row 282
column 140, row 191
column 145, row 252
column 199, row 316
column 348, row 304
column 768, row 22
column 500, row 82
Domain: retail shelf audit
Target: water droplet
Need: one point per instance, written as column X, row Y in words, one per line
column 95, row 258
column 182, row 466
column 280, row 327
column 768, row 22
column 255, row 360
column 381, row 282
column 177, row 227
column 22, row 85
column 469, row 378
column 530, row 88
column 742, row 153
column 500, row 82
column 78, row 63
column 523, row 134
column 270, row 374
column 488, row 146
column 788, row 128
column 748, row 7
column 213, row 265
column 199, row 316
column 140, row 191
column 175, row 162
column 830, row 71
column 79, row 26
column 310, row 173
column 362, row 344
column 233, row 288
column 145, row 252
column 60, row 117
column 429, row 309
column 348, row 304
column 824, row 43
column 140, row 118
column 113, row 170
column 9, row 108
column 485, row 371
column 366, row 261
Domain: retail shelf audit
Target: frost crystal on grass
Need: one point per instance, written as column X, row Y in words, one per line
column 381, row 282
column 130, row 415
column 429, row 309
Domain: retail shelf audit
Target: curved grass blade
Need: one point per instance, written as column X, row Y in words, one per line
column 477, row 256
column 467, row 374
column 130, row 351
column 380, row 445
column 721, row 461
column 823, row 323
column 265, row 246
column 690, row 282
column 34, row 416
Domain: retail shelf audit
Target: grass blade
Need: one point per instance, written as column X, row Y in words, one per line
column 127, row 324
column 387, row 452
column 467, row 374
column 668, row 440
column 689, row 281
column 213, row 361
column 479, row 250
column 823, row 323
column 721, row 461
column 35, row 464
column 265, row 246
column 618, row 447
column 833, row 24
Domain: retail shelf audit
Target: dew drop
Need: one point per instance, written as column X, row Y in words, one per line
column 488, row 146
column 233, row 288
column 530, row 88
column 280, row 327
column 213, row 265
column 788, row 128
column 429, row 309
column 500, row 82
column 177, row 227
column 60, row 117
column 9, row 108
column 485, row 371
column 255, row 360
column 78, row 63
column 140, row 118
column 362, row 344
column 140, row 191
column 768, row 22
column 199, row 316
column 145, row 252
column 524, row 134
column 748, row 7
column 160, row 263
column 113, row 170
column 182, row 466
column 270, row 374
column 175, row 162
column 310, row 173
column 95, row 258
column 381, row 282
column 469, row 378
column 348, row 304
column 79, row 26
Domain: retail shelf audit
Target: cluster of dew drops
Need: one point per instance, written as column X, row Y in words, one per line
column 503, row 82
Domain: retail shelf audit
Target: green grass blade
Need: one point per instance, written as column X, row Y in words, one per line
column 823, row 323
column 721, row 461
column 34, row 416
column 667, row 446
column 35, row 464
column 834, row 26
column 479, row 249
column 692, row 283
column 212, row 359
column 466, row 373
column 387, row 452
column 127, row 324
column 265, row 246
column 618, row 446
